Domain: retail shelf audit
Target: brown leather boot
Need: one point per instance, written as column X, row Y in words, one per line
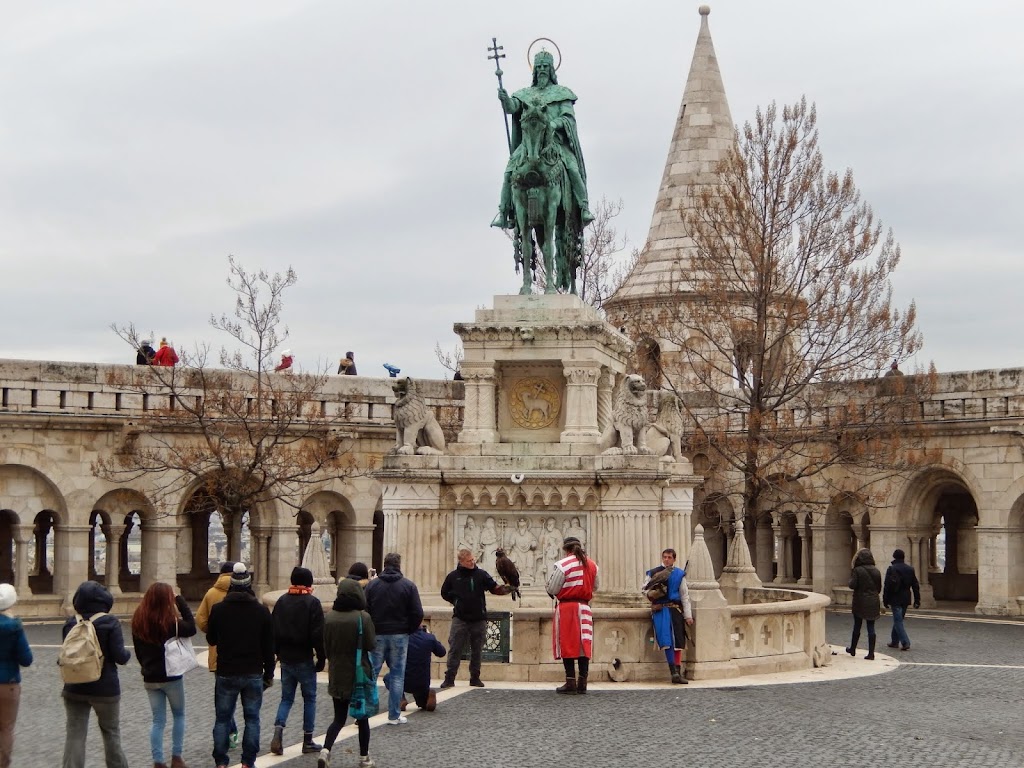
column 581, row 684
column 569, row 687
column 177, row 762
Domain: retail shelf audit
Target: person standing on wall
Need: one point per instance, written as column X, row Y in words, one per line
column 671, row 613
column 900, row 580
column 572, row 582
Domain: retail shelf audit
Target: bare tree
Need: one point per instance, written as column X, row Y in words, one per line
column 238, row 435
column 603, row 264
column 786, row 322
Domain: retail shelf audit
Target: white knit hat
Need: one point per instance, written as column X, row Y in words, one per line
column 8, row 596
column 240, row 576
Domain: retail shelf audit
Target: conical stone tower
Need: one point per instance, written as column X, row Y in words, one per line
column 703, row 133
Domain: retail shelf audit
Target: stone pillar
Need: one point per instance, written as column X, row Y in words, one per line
column 479, row 423
column 42, row 530
column 278, row 557
column 71, row 550
column 764, row 548
column 261, row 560
column 739, row 573
column 996, row 551
column 805, row 556
column 113, row 570
column 414, row 524
column 709, row 655
column 674, row 525
column 22, row 541
column 581, row 403
column 605, row 391
column 626, row 541
column 159, row 553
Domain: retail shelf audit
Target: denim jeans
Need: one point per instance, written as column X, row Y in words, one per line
column 225, row 695
column 392, row 649
column 302, row 675
column 160, row 695
column 899, row 632
column 476, row 633
column 108, row 716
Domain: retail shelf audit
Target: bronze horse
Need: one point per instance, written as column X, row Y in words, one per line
column 541, row 196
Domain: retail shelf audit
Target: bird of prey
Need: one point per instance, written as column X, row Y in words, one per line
column 508, row 572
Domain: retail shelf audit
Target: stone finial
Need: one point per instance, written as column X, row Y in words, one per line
column 704, row 10
column 315, row 557
column 738, row 560
column 700, row 572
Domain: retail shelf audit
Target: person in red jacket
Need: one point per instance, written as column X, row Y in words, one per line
column 166, row 355
column 286, row 362
column 572, row 582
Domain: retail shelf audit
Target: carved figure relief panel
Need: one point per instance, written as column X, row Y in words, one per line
column 531, row 402
column 532, row 541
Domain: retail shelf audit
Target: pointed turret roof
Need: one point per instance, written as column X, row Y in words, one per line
column 704, row 131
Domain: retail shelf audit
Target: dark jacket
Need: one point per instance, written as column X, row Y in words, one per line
column 417, row 664
column 466, row 589
column 866, row 583
column 145, row 355
column 14, row 650
column 394, row 603
column 341, row 638
column 92, row 597
column 241, row 628
column 298, row 628
column 151, row 655
column 900, row 579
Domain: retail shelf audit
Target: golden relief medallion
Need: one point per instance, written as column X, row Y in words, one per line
column 534, row 403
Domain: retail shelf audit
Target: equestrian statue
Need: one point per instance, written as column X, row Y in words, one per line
column 544, row 192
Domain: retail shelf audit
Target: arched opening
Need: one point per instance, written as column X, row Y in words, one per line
column 8, row 553
column 1015, row 552
column 200, row 549
column 953, row 566
column 130, row 543
column 99, row 522
column 378, row 538
column 787, row 548
column 338, row 531
column 648, row 362
column 41, row 554
column 304, row 522
column 715, row 515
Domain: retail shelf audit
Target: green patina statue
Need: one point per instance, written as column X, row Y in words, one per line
column 544, row 194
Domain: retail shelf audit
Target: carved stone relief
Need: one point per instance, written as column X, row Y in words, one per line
column 532, row 541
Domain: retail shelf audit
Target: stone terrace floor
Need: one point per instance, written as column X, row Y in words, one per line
column 955, row 699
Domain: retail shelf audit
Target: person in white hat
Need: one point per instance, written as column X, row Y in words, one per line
column 286, row 361
column 14, row 654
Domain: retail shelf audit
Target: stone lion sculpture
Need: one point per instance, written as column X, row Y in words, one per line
column 627, row 434
column 416, row 429
column 664, row 436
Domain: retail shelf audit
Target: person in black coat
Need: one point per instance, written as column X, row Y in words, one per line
column 866, row 583
column 161, row 616
column 422, row 644
column 102, row 696
column 900, row 580
column 466, row 589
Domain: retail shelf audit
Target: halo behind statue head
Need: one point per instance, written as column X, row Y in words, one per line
column 531, row 60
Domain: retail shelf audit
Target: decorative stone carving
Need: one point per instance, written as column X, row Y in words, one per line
column 664, row 436
column 627, row 434
column 534, row 403
column 416, row 428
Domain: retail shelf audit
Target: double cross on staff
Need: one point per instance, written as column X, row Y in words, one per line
column 495, row 48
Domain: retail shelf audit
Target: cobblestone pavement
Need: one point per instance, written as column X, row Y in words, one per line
column 955, row 700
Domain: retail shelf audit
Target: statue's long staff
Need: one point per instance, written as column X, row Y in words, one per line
column 497, row 56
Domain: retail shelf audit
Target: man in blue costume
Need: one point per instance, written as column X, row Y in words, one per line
column 671, row 613
column 559, row 101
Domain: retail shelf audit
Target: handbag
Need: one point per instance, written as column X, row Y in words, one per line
column 364, row 702
column 179, row 655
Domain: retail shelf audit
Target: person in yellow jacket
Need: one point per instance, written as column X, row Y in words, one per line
column 214, row 595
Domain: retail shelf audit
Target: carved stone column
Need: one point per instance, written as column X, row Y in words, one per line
column 605, row 391
column 581, row 403
column 480, row 419
column 261, row 560
column 805, row 556
column 22, row 540
column 764, row 549
column 113, row 570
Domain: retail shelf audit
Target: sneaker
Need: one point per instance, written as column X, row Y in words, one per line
column 400, row 720
column 476, row 682
column 233, row 740
column 365, row 761
column 324, row 760
column 892, row 645
column 905, row 648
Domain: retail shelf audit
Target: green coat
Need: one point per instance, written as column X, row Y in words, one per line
column 341, row 636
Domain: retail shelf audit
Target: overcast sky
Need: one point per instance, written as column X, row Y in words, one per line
column 362, row 144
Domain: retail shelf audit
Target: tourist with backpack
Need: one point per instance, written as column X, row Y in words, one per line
column 162, row 616
column 93, row 647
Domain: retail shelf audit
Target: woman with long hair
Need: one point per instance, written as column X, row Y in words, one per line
column 572, row 581
column 160, row 616
column 866, row 583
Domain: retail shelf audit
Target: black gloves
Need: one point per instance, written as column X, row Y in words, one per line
column 320, row 664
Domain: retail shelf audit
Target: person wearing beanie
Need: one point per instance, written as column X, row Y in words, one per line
column 298, row 637
column 360, row 573
column 347, row 366
column 166, row 355
column 286, row 362
column 900, row 580
column 146, row 353
column 242, row 629
column 14, row 654
column 214, row 595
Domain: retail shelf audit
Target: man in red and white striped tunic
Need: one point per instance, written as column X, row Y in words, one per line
column 572, row 582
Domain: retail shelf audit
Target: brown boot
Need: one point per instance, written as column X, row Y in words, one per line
column 569, row 687
column 159, row 765
column 581, row 684
column 177, row 762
